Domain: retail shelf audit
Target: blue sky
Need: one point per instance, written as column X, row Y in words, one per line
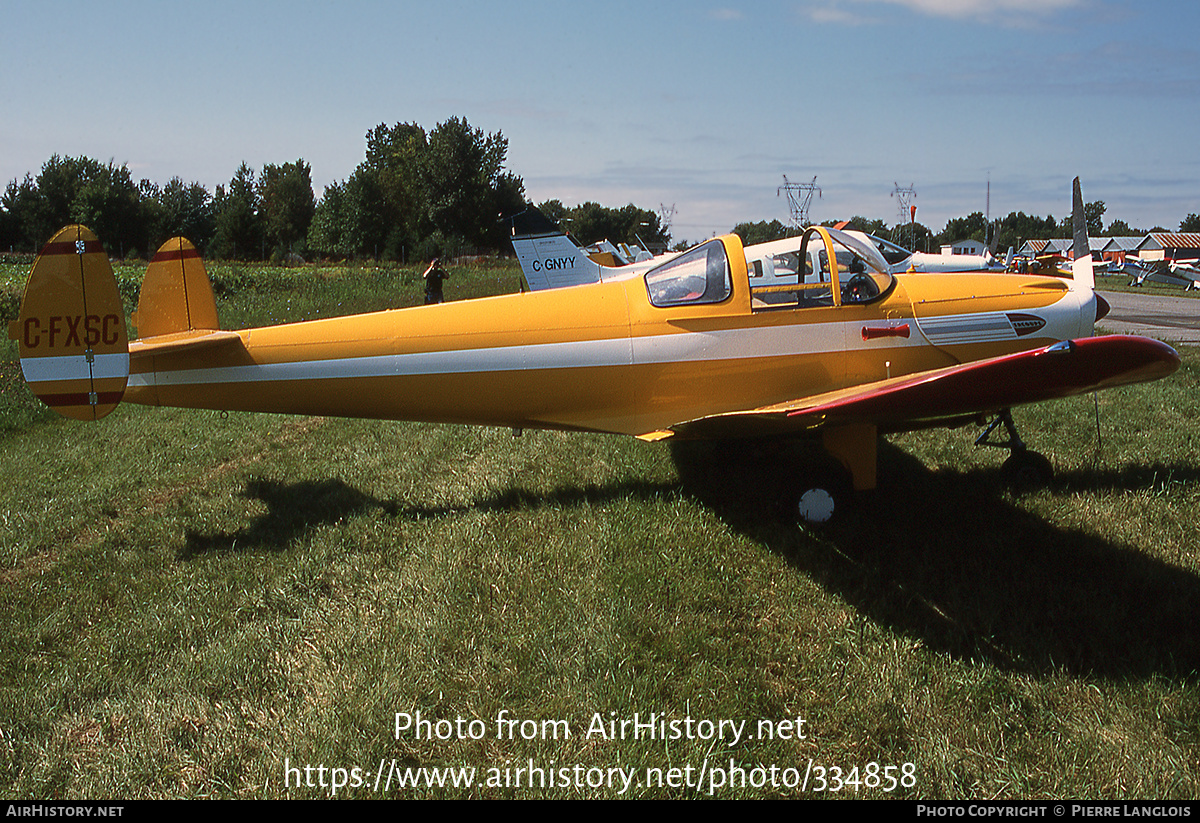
column 700, row 105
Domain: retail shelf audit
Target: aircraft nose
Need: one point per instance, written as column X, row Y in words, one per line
column 1102, row 308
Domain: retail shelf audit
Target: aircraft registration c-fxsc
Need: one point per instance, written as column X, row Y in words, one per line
column 684, row 349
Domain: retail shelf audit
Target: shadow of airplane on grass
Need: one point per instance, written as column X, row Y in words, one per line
column 296, row 508
column 938, row 556
column 944, row 557
column 292, row 510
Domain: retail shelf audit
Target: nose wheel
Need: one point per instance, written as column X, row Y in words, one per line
column 1024, row 467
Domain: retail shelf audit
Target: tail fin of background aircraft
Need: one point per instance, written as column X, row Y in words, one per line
column 71, row 333
column 548, row 257
column 176, row 294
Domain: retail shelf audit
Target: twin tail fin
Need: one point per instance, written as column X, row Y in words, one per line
column 71, row 333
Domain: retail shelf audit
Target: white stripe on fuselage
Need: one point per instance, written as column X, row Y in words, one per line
column 788, row 340
column 725, row 344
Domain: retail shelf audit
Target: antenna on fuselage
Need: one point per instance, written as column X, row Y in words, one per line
column 987, row 215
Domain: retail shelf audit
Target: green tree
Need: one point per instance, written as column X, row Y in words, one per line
column 590, row 223
column 184, row 210
column 554, row 210
column 418, row 193
column 238, row 231
column 1191, row 223
column 57, row 186
column 20, row 206
column 109, row 203
column 972, row 227
column 1018, row 227
column 81, row 190
column 877, row 228
column 460, row 172
column 508, row 197
column 327, row 231
column 387, row 193
column 1093, row 216
column 76, row 190
column 762, row 232
column 352, row 220
column 1119, row 228
column 286, row 204
column 913, row 236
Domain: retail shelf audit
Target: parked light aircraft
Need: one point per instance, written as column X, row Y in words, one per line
column 686, row 349
column 901, row 259
column 1186, row 275
column 549, row 258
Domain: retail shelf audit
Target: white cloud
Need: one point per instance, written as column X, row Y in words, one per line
column 833, row 14
column 982, row 9
column 848, row 12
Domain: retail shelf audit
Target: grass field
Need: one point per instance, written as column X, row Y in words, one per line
column 209, row 605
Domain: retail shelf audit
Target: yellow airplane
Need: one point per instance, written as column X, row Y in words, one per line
column 686, row 349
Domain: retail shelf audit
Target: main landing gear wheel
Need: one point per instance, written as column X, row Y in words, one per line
column 1027, row 468
column 823, row 495
column 818, row 505
column 1024, row 467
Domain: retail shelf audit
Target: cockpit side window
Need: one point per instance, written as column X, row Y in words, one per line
column 696, row 277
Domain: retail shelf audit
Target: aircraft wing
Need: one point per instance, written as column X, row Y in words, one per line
column 912, row 401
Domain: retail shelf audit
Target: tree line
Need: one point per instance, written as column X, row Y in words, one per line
column 999, row 234
column 244, row 220
column 590, row 223
column 416, row 194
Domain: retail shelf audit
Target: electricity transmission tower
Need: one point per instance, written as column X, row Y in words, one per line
column 908, row 212
column 665, row 215
column 799, row 197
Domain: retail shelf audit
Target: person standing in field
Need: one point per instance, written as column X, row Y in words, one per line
column 434, row 275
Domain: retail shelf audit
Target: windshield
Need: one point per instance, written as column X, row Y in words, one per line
column 808, row 278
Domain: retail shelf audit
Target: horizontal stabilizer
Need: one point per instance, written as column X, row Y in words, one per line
column 532, row 223
column 195, row 339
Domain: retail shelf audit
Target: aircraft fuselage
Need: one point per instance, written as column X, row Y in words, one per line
column 601, row 357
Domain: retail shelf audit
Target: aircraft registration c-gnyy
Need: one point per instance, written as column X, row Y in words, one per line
column 687, row 349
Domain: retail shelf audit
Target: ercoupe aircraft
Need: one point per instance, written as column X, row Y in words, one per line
column 686, row 349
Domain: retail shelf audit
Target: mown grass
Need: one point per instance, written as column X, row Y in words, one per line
column 195, row 598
